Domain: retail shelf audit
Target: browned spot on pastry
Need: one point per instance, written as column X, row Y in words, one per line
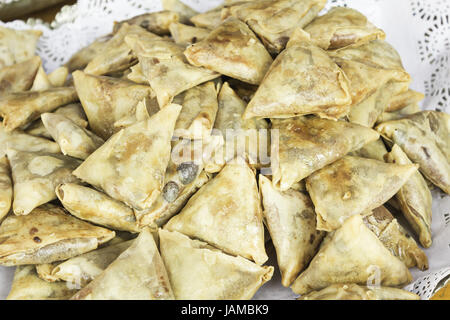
column 33, row 231
column 312, row 238
column 37, row 239
column 425, row 150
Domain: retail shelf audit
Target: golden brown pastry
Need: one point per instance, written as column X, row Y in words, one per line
column 19, row 140
column 130, row 166
column 353, row 186
column 341, row 27
column 21, row 108
column 232, row 49
column 166, row 68
column 137, row 274
column 80, row 270
column 302, row 80
column 28, row 286
column 17, row 45
column 414, row 199
column 369, row 67
column 185, row 35
column 74, row 141
column 199, row 112
column 184, row 12
column 204, row 272
column 395, row 238
column 107, row 100
column 46, row 235
column 115, row 55
column 226, row 213
column 423, row 137
column 373, row 150
column 398, row 114
column 209, row 19
column 404, row 99
column 291, row 221
column 155, row 22
column 19, row 76
column 96, row 207
column 247, row 138
column 307, row 144
column 36, row 175
column 341, row 259
column 274, row 20
column 353, row 291
column 81, row 58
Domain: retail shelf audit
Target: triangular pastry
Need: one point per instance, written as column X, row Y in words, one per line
column 198, row 272
column 302, row 80
column 106, row 100
column 20, row 76
column 36, row 175
column 21, row 108
column 184, row 12
column 81, row 58
column 185, row 35
column 341, row 27
column 423, row 137
column 414, row 198
column 73, row 140
column 291, row 221
column 352, row 254
column 166, row 68
column 232, row 49
column 130, row 166
column 17, row 45
column 353, row 186
column 154, row 22
column 96, row 207
column 307, row 144
column 226, row 213
column 395, row 238
column 46, row 235
column 137, row 274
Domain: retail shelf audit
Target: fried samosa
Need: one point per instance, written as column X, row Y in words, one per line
column 73, row 140
column 352, row 254
column 21, row 108
column 81, row 58
column 199, row 111
column 369, row 67
column 307, row 144
column 395, row 238
column 353, row 186
column 398, row 114
column 291, row 221
column 373, row 150
column 353, row 291
column 46, row 235
column 20, row 76
column 130, row 166
column 341, row 27
column 423, row 137
column 209, row 19
column 274, row 20
column 106, row 100
column 82, row 269
column 404, row 99
column 232, row 49
column 414, row 198
column 19, row 140
column 96, row 207
column 36, row 175
column 184, row 12
column 28, row 286
column 17, row 45
column 115, row 55
column 185, row 35
column 302, row 80
column 198, row 271
column 226, row 213
column 154, row 22
column 137, row 274
column 166, row 68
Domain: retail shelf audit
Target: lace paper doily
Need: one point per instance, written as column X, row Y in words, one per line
column 419, row 30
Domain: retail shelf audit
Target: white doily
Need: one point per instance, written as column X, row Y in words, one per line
column 419, row 30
